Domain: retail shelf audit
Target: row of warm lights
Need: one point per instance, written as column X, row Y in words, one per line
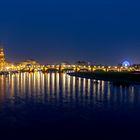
column 13, row 67
column 67, row 66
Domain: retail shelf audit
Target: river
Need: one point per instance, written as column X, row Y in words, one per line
column 54, row 105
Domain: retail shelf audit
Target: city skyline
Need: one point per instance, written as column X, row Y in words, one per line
column 80, row 62
column 18, row 60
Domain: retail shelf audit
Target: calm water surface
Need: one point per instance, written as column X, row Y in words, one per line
column 53, row 105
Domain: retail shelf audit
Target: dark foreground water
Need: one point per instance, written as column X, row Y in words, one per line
column 56, row 106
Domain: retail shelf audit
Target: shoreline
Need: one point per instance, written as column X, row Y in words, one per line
column 115, row 77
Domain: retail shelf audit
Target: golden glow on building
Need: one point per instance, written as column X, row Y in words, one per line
column 2, row 57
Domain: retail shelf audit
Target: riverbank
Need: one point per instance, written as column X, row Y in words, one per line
column 115, row 77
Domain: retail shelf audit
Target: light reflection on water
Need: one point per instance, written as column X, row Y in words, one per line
column 62, row 90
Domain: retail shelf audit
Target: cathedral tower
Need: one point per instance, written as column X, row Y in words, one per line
column 2, row 57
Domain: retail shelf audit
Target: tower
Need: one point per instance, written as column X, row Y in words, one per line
column 2, row 57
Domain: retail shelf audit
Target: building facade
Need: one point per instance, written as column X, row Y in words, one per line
column 2, row 57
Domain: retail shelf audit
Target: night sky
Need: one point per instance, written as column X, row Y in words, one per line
column 51, row 31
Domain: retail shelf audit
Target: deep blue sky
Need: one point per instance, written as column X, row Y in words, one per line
column 51, row 31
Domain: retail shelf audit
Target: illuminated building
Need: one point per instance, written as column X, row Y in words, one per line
column 2, row 57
